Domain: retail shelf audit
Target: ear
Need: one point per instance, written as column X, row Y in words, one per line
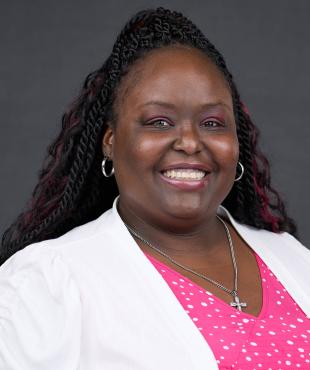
column 107, row 142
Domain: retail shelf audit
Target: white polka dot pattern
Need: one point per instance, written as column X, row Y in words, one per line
column 277, row 339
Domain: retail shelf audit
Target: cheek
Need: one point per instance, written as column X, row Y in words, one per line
column 139, row 151
column 225, row 151
column 148, row 147
column 145, row 148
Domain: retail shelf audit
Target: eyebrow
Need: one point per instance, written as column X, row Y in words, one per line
column 172, row 106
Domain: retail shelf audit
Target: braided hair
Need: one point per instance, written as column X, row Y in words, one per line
column 71, row 189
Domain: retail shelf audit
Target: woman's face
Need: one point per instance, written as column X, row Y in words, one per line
column 174, row 145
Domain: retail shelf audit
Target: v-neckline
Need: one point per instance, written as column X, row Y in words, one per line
column 264, row 285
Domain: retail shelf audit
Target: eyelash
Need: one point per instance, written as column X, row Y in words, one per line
column 155, row 123
column 213, row 121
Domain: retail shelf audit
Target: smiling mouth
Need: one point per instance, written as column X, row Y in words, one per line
column 185, row 174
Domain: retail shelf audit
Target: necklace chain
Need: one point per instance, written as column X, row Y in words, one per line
column 232, row 292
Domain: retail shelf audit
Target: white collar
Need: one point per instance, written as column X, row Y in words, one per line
column 288, row 259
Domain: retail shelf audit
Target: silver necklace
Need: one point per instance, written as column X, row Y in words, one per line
column 234, row 292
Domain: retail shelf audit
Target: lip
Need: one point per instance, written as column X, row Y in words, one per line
column 189, row 185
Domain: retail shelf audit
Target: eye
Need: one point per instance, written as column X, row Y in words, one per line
column 159, row 123
column 211, row 123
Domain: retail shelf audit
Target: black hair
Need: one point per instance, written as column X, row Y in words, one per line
column 72, row 190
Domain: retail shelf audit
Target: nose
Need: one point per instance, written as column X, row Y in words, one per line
column 188, row 139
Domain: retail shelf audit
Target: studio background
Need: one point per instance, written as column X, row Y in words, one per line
column 48, row 48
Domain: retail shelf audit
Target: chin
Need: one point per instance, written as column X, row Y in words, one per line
column 186, row 207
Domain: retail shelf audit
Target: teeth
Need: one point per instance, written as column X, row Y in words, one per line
column 185, row 174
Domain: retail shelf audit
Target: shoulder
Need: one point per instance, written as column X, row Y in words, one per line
column 54, row 260
column 281, row 243
column 267, row 241
column 281, row 240
column 83, row 232
column 62, row 246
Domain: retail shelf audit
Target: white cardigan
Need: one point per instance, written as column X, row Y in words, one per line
column 91, row 300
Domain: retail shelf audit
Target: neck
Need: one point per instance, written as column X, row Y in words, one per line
column 194, row 241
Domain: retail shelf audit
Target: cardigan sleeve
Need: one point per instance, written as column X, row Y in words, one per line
column 40, row 312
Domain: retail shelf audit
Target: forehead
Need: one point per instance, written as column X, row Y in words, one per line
column 178, row 73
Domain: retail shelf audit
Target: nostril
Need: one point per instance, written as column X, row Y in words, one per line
column 188, row 143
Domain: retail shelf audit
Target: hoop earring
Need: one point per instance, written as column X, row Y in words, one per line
column 105, row 159
column 242, row 172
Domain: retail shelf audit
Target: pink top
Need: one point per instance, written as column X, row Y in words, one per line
column 277, row 339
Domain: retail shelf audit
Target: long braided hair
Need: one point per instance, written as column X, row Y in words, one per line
column 71, row 189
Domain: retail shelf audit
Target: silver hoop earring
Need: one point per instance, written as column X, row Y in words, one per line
column 242, row 172
column 105, row 159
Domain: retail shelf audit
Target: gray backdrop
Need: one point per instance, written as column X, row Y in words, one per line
column 48, row 47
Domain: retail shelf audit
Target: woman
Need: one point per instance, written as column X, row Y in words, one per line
column 194, row 266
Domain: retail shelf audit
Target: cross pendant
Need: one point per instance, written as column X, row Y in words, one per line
column 237, row 304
